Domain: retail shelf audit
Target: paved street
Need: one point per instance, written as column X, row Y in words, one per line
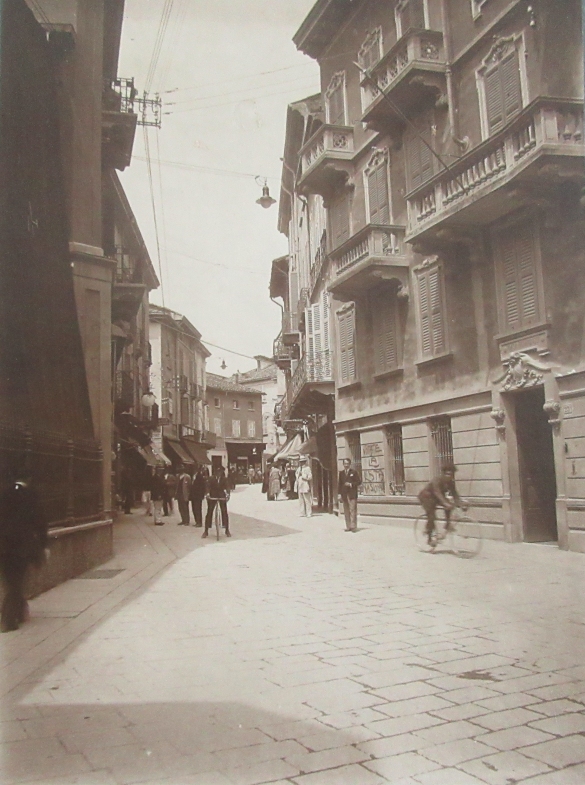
column 298, row 653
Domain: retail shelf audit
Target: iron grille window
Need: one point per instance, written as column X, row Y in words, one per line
column 354, row 444
column 441, row 442
column 396, row 461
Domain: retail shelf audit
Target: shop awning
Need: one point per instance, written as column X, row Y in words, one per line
column 148, row 455
column 309, row 447
column 292, row 447
column 160, row 456
column 179, row 451
column 196, row 450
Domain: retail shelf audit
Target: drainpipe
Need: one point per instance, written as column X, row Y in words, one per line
column 453, row 123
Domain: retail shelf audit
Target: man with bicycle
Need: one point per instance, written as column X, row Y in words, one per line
column 440, row 492
column 217, row 493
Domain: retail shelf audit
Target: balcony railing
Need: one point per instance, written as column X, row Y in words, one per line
column 544, row 129
column 124, row 388
column 283, row 355
column 120, row 95
column 419, row 53
column 331, row 145
column 314, row 369
column 119, row 121
column 373, row 241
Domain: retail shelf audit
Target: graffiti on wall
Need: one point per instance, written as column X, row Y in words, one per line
column 373, row 480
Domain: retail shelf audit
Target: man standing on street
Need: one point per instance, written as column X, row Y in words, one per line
column 349, row 482
column 198, row 494
column 183, row 495
column 305, row 487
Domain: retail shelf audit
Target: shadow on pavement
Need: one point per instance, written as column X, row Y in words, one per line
column 161, row 743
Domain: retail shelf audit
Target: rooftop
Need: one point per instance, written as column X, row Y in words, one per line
column 216, row 382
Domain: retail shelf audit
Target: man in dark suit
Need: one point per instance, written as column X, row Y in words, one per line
column 349, row 482
column 183, row 494
column 23, row 541
column 198, row 494
column 218, row 492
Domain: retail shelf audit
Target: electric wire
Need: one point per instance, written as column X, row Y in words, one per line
column 228, row 267
column 153, row 202
column 237, row 101
column 173, row 42
column 162, row 204
column 206, row 169
column 160, row 35
column 237, row 78
column 235, row 92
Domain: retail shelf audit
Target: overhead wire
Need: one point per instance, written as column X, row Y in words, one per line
column 234, row 92
column 162, row 203
column 231, row 80
column 231, row 103
column 153, row 203
column 230, row 268
column 206, row 169
column 172, row 47
column 160, row 35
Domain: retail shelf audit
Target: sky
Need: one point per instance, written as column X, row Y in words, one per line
column 226, row 71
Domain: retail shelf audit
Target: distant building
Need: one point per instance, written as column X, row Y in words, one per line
column 265, row 378
column 178, row 382
column 234, row 413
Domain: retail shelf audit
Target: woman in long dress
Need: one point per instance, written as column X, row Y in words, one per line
column 273, row 483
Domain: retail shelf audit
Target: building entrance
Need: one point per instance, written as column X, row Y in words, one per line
column 538, row 486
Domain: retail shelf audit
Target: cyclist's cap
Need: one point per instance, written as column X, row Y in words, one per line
column 449, row 467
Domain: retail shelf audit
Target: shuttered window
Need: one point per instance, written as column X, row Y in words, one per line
column 336, row 105
column 385, row 323
column 503, row 92
column 346, row 332
column 518, row 278
column 441, row 444
column 431, row 300
column 319, row 356
column 412, row 16
column 419, row 159
column 339, row 220
column 378, row 197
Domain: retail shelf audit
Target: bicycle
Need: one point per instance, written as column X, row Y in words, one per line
column 463, row 538
column 216, row 515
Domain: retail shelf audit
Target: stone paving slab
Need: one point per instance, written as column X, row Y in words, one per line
column 294, row 654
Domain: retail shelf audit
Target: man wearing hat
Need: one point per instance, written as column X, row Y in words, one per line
column 304, row 485
column 440, row 492
column 349, row 482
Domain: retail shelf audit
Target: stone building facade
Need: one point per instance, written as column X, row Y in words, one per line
column 450, row 161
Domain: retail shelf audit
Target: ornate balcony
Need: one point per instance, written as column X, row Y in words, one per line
column 118, row 122
column 283, row 355
column 411, row 73
column 541, row 149
column 310, row 386
column 373, row 254
column 326, row 159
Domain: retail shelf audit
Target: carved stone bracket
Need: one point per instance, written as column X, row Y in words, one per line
column 552, row 410
column 520, row 371
column 499, row 416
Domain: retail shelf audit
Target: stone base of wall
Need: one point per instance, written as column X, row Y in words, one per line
column 73, row 552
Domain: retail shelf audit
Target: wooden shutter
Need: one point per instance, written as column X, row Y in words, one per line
column 310, row 338
column 519, row 283
column 378, row 196
column 432, row 312
column 503, row 92
column 385, row 333
column 412, row 16
column 346, row 322
column 326, row 332
column 511, row 88
column 337, row 106
column 419, row 159
column 339, row 220
column 437, row 310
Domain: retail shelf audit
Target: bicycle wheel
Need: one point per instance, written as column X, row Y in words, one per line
column 467, row 536
column 217, row 519
column 421, row 537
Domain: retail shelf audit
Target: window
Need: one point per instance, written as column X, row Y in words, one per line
column 410, row 15
column 431, row 308
column 518, row 277
column 377, row 188
column 250, row 406
column 335, row 100
column 371, row 50
column 346, row 332
column 318, row 340
column 501, row 85
column 251, row 429
column 216, row 403
column 419, row 158
column 339, row 227
column 384, row 309
column 395, row 460
column 236, row 404
column 441, row 443
column 217, row 426
column 354, row 446
column 236, row 431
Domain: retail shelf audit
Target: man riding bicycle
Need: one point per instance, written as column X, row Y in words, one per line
column 217, row 493
column 440, row 492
